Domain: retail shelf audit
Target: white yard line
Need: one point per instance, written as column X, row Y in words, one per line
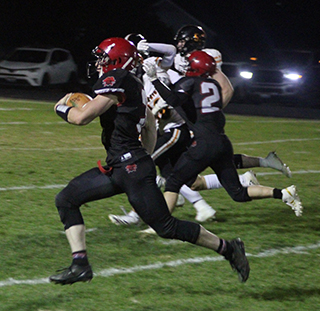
column 97, row 148
column 33, row 123
column 89, row 148
column 33, row 187
column 36, row 123
column 53, row 149
column 14, row 109
column 159, row 265
column 274, row 141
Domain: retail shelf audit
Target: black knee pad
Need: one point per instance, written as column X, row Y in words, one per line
column 241, row 195
column 69, row 212
column 178, row 229
column 173, row 184
column 237, row 159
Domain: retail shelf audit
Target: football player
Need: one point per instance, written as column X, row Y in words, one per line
column 173, row 133
column 191, row 38
column 211, row 146
column 129, row 167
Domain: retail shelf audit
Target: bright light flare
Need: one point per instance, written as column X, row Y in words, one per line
column 293, row 76
column 246, row 74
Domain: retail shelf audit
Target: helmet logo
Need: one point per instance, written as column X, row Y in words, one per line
column 109, row 48
column 109, row 81
column 197, row 37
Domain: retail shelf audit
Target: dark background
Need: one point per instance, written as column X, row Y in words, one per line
column 240, row 27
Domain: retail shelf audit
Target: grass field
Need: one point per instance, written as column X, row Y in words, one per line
column 40, row 153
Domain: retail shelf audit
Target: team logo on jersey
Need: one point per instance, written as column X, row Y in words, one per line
column 109, row 81
column 131, row 168
column 194, row 143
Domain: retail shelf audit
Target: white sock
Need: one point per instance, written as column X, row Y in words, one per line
column 212, row 181
column 190, row 195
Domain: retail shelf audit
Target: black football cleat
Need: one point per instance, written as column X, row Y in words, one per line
column 238, row 260
column 72, row 274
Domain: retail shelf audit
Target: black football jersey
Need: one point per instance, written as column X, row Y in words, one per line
column 206, row 100
column 122, row 125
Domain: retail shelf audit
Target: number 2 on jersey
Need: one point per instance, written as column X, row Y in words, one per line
column 212, row 97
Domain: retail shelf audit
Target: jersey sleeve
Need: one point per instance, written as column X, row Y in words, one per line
column 110, row 82
column 174, row 97
column 169, row 51
column 216, row 55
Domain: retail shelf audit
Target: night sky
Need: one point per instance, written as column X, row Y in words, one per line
column 280, row 22
column 241, row 26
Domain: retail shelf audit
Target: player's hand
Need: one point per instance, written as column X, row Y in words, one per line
column 143, row 46
column 62, row 101
column 159, row 106
column 150, row 70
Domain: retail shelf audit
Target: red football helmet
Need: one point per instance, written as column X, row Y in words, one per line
column 200, row 64
column 116, row 53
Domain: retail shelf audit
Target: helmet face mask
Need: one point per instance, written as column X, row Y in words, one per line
column 114, row 53
column 201, row 64
column 135, row 38
column 190, row 38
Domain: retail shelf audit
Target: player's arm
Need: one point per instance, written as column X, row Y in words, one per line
column 149, row 132
column 172, row 98
column 85, row 114
column 226, row 87
column 167, row 50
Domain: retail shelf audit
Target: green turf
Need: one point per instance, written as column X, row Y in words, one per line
column 40, row 151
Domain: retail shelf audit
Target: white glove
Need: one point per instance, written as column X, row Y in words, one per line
column 150, row 70
column 158, row 106
column 143, row 46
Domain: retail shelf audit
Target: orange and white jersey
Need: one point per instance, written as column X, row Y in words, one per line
column 152, row 94
column 154, row 97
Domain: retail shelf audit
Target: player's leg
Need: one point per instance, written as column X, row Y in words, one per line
column 228, row 176
column 211, row 181
column 154, row 211
column 89, row 186
column 186, row 171
column 271, row 160
column 204, row 211
column 168, row 149
column 147, row 199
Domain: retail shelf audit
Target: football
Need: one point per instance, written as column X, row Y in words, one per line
column 78, row 100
